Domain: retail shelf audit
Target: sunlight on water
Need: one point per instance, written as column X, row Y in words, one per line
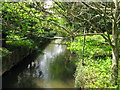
column 48, row 57
column 49, row 70
column 55, row 84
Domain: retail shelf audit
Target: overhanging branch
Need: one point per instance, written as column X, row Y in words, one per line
column 89, row 34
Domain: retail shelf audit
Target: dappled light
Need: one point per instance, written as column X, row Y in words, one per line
column 60, row 44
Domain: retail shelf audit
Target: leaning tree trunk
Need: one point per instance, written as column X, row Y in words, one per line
column 115, row 48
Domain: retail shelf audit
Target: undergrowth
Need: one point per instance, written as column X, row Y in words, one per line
column 95, row 72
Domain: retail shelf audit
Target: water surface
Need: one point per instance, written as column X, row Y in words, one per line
column 51, row 69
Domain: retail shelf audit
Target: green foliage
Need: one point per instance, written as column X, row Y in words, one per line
column 95, row 74
column 94, row 46
column 96, row 71
column 19, row 18
column 21, row 43
column 15, row 37
column 4, row 52
column 24, row 24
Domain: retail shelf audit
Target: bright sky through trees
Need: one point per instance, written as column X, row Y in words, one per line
column 48, row 4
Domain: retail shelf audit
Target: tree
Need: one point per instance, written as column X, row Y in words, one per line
column 26, row 20
column 98, row 18
column 114, row 42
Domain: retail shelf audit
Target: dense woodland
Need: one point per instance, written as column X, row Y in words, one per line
column 92, row 32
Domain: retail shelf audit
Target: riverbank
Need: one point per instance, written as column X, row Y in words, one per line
column 14, row 58
column 43, row 70
column 17, row 54
column 94, row 62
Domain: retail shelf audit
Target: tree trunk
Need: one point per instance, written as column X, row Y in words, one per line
column 114, row 75
column 115, row 48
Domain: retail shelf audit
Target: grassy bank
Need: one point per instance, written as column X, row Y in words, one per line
column 94, row 64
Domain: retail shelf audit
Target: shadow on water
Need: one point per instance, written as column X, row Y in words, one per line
column 10, row 79
column 53, row 69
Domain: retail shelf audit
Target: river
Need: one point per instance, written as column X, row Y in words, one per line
column 50, row 69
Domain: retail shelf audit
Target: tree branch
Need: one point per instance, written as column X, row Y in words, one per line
column 89, row 34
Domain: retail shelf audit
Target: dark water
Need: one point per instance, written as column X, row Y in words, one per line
column 51, row 69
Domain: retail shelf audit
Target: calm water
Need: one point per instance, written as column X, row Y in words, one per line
column 51, row 69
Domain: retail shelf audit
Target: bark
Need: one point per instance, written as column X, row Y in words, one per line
column 115, row 48
column 115, row 56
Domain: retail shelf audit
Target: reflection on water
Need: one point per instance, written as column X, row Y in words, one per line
column 49, row 70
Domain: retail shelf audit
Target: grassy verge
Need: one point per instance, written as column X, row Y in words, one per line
column 96, row 71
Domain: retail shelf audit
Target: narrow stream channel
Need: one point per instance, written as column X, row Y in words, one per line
column 51, row 69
